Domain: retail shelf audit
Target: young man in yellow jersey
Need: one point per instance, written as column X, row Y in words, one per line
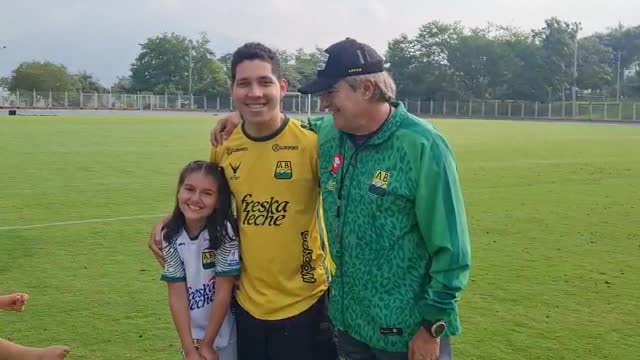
column 271, row 163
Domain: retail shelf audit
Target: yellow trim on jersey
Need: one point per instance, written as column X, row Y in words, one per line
column 283, row 241
column 324, row 240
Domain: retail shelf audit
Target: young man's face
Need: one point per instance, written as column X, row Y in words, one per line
column 257, row 92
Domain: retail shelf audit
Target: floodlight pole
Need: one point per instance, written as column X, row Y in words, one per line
column 190, row 69
column 618, row 84
column 575, row 76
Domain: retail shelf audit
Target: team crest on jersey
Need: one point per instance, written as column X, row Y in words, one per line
column 380, row 183
column 208, row 259
column 284, row 171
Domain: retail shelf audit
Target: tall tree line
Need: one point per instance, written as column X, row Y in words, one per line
column 441, row 61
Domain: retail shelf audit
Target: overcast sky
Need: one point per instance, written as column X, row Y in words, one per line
column 102, row 37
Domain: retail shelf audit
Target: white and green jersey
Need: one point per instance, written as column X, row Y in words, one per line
column 190, row 260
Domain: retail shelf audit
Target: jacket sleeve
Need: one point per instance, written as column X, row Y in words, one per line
column 315, row 123
column 443, row 225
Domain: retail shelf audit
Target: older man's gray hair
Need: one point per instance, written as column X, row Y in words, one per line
column 385, row 90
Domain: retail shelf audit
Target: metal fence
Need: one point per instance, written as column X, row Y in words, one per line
column 510, row 109
column 304, row 104
column 114, row 101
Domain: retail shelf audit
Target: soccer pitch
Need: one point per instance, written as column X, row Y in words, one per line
column 553, row 212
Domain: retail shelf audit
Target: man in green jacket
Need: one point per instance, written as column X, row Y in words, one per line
column 393, row 210
column 395, row 214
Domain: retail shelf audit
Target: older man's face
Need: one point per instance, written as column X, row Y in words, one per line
column 347, row 106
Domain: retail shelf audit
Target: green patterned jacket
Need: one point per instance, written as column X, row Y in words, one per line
column 397, row 230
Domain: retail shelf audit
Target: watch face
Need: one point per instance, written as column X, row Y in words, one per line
column 438, row 329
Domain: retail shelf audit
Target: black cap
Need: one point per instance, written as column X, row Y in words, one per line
column 342, row 59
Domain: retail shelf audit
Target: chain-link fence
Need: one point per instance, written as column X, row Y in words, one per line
column 304, row 104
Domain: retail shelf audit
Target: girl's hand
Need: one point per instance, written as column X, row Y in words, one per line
column 13, row 302
column 193, row 355
column 208, row 353
column 55, row 352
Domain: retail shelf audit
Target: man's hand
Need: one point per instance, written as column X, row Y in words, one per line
column 423, row 346
column 155, row 241
column 224, row 128
column 55, row 352
column 207, row 352
column 14, row 302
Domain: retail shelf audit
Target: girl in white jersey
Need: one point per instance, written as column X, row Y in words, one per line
column 201, row 251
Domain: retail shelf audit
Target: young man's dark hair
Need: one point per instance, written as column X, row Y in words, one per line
column 255, row 51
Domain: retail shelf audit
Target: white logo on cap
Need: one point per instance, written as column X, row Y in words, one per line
column 324, row 57
column 361, row 57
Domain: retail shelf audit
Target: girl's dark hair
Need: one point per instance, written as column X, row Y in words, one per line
column 222, row 214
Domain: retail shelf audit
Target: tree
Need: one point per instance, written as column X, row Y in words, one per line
column 165, row 62
column 403, row 65
column 625, row 45
column 524, row 65
column 594, row 64
column 557, row 40
column 161, row 64
column 42, row 76
column 305, row 67
column 288, row 69
column 503, row 62
column 209, row 77
column 122, row 85
column 625, row 40
column 421, row 66
column 212, row 79
column 434, row 40
column 88, row 83
column 476, row 60
column 226, row 61
column 632, row 85
column 432, row 45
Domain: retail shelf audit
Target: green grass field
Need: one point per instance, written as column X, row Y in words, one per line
column 553, row 211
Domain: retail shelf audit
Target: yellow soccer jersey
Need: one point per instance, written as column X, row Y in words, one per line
column 283, row 242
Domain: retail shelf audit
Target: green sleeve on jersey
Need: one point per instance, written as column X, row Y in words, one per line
column 228, row 256
column 229, row 273
column 173, row 268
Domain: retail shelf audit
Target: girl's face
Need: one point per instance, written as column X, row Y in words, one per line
column 198, row 196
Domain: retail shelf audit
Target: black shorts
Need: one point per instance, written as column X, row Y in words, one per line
column 308, row 335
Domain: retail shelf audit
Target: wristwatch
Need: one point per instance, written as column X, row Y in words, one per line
column 436, row 329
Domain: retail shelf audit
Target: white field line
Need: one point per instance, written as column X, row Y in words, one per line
column 79, row 222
